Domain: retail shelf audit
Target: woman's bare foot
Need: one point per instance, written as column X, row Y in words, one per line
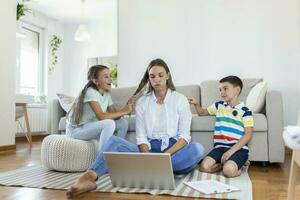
column 87, row 182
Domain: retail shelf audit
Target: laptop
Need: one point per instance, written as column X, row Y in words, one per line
column 140, row 170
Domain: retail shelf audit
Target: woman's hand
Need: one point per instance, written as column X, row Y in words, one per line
column 177, row 146
column 193, row 101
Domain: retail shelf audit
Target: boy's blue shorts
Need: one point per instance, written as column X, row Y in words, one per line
column 239, row 157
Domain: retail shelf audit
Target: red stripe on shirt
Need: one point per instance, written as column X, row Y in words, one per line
column 223, row 137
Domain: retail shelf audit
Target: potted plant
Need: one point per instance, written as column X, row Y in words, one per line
column 21, row 10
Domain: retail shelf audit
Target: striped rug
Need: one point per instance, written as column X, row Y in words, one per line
column 39, row 177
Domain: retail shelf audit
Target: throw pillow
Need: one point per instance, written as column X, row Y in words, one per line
column 65, row 101
column 291, row 136
column 257, row 97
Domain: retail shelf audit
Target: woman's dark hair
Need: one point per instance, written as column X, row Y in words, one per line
column 77, row 107
column 234, row 80
column 145, row 79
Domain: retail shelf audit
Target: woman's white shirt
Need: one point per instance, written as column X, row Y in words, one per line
column 160, row 125
column 178, row 117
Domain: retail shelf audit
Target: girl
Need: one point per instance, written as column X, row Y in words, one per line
column 93, row 115
column 163, row 120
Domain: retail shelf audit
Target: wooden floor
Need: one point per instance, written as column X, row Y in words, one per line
column 268, row 182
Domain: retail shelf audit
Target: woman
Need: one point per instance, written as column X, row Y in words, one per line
column 163, row 120
column 93, row 115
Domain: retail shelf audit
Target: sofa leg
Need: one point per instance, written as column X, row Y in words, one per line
column 265, row 163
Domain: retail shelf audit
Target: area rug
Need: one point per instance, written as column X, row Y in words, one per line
column 39, row 177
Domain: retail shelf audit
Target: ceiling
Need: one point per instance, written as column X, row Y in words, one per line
column 70, row 11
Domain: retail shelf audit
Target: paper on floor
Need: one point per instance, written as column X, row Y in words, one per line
column 210, row 186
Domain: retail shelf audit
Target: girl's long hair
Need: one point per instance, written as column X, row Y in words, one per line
column 145, row 80
column 76, row 110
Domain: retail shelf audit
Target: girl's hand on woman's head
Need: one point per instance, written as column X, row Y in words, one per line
column 192, row 100
column 128, row 108
column 131, row 100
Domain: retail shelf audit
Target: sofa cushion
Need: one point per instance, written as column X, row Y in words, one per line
column 62, row 124
column 120, row 96
column 257, row 97
column 65, row 101
column 210, row 91
column 131, row 122
column 207, row 123
column 203, row 123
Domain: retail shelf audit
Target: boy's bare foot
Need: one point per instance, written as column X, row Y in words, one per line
column 247, row 163
column 239, row 172
column 87, row 182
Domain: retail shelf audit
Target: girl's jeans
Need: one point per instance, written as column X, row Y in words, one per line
column 100, row 130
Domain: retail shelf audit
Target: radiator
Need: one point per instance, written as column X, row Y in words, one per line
column 38, row 120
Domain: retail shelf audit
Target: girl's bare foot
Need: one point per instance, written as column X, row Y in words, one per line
column 87, row 182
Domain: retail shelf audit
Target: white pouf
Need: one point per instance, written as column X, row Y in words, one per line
column 62, row 153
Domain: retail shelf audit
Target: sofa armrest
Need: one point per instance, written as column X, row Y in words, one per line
column 274, row 114
column 56, row 113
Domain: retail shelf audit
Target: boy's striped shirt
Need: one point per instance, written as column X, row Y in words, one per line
column 230, row 123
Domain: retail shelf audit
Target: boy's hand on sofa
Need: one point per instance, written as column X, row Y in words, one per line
column 201, row 111
column 193, row 101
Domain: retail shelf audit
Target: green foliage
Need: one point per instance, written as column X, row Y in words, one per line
column 55, row 44
column 40, row 98
column 21, row 10
column 114, row 72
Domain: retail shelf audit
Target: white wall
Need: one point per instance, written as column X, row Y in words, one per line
column 75, row 58
column 209, row 39
column 103, row 43
column 7, row 71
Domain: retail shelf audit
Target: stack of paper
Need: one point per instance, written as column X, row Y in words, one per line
column 210, row 186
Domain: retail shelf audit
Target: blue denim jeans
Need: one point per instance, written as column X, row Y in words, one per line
column 183, row 161
column 101, row 130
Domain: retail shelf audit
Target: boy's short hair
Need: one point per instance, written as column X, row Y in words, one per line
column 234, row 80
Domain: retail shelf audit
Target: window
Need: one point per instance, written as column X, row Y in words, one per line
column 30, row 70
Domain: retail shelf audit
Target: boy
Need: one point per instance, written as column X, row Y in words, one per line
column 233, row 129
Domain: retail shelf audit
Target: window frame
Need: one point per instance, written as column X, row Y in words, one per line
column 41, row 64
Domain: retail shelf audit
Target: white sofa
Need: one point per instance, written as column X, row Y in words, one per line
column 266, row 144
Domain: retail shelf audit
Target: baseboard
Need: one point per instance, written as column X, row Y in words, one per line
column 7, row 147
column 34, row 133
column 34, row 138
